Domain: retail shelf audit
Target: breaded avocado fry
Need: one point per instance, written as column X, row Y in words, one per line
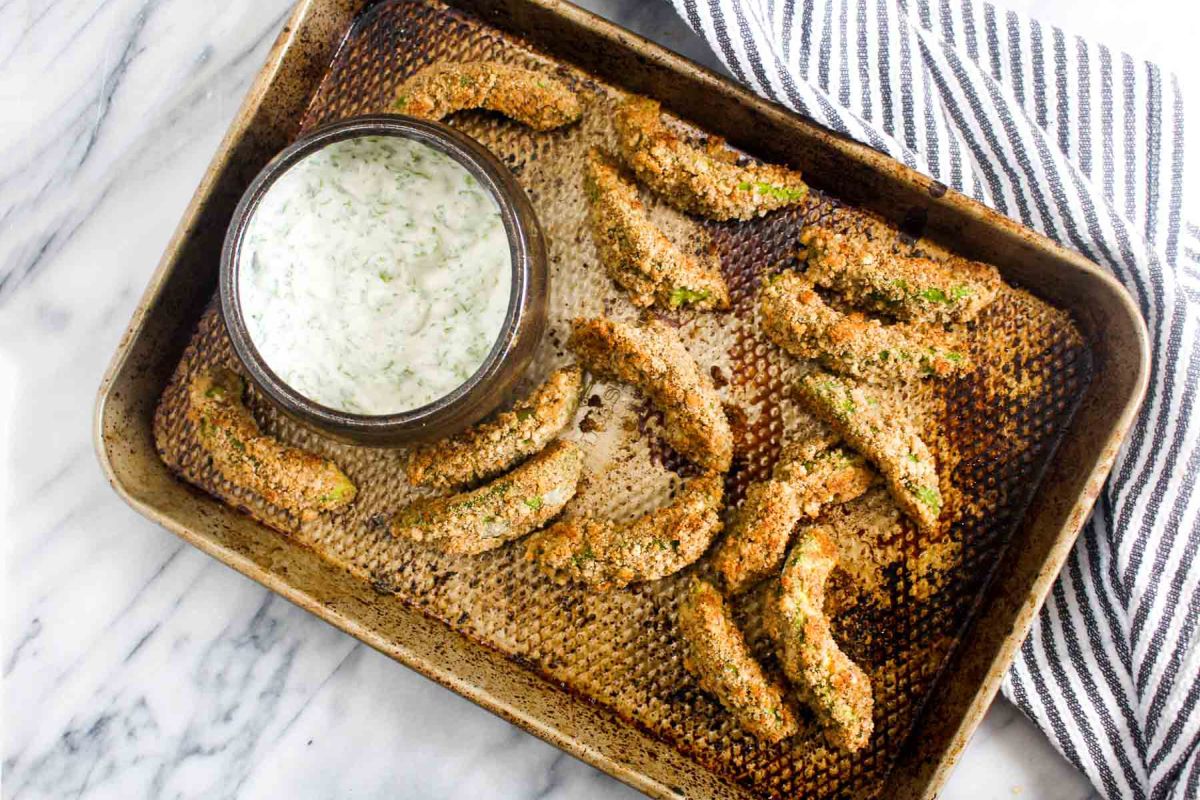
column 869, row 275
column 797, row 319
column 758, row 536
column 528, row 96
column 287, row 477
column 802, row 486
column 639, row 256
column 609, row 555
column 890, row 443
column 718, row 657
column 836, row 688
column 706, row 181
column 490, row 448
column 653, row 359
column 825, row 478
column 505, row 509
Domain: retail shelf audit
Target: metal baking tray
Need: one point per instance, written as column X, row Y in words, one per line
column 644, row 725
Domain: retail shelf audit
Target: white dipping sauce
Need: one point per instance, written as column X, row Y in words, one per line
column 375, row 275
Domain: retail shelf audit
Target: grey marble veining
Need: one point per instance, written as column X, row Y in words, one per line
column 133, row 665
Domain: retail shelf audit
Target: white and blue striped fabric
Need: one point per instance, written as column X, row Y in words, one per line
column 1085, row 145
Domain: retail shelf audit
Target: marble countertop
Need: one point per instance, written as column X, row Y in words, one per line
column 135, row 666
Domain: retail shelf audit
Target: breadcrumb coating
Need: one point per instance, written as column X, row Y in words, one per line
column 869, row 275
column 497, row 512
column 829, row 477
column 890, row 443
column 652, row 358
column 528, row 96
column 838, row 690
column 758, row 536
column 718, row 657
column 797, row 319
column 488, row 449
column 610, row 555
column 802, row 485
column 287, row 477
column 639, row 256
column 706, row 181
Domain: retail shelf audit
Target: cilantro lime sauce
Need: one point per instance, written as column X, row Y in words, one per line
column 375, row 275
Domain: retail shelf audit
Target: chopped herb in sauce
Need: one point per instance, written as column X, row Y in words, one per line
column 379, row 275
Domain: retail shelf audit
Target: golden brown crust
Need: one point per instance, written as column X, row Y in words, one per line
column 706, row 181
column 639, row 256
column 758, row 536
column 890, row 443
column 830, row 477
column 610, row 555
column 868, row 274
column 797, row 319
column 492, row 447
column 497, row 512
column 528, row 96
column 836, row 688
column 652, row 358
column 804, row 483
column 718, row 657
column 286, row 477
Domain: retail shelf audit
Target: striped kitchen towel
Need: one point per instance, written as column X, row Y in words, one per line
column 1086, row 146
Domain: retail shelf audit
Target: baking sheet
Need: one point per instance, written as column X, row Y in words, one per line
column 902, row 603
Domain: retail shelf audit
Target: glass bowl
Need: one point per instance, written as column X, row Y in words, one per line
column 524, row 321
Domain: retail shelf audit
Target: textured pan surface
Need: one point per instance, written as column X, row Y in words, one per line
column 901, row 602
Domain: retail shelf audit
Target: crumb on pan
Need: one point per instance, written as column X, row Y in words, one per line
column 287, row 477
column 637, row 254
column 531, row 97
column 507, row 508
column 490, row 448
column 837, row 689
column 718, row 657
column 797, row 319
column 652, row 358
column 610, row 555
column 706, row 181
